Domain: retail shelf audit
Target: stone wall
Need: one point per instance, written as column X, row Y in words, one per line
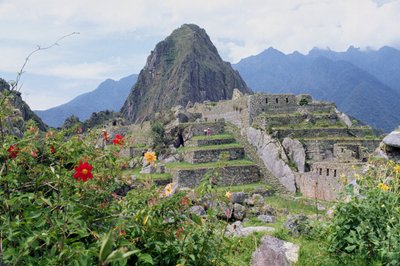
column 266, row 121
column 318, row 150
column 208, row 142
column 322, row 132
column 197, row 129
column 261, row 102
column 206, row 156
column 326, row 179
column 227, row 176
column 234, row 111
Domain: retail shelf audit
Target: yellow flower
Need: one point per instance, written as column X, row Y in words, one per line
column 383, row 187
column 150, row 157
column 343, row 179
column 357, row 176
column 228, row 195
column 168, row 190
column 397, row 169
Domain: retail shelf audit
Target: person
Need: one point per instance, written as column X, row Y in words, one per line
column 205, row 132
column 208, row 131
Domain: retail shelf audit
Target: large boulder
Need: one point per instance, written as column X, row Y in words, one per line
column 275, row 252
column 273, row 157
column 393, row 139
column 296, row 152
column 237, row 229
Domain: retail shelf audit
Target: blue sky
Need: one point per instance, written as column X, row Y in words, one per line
column 116, row 36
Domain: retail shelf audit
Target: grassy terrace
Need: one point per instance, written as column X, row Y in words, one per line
column 243, row 188
column 189, row 166
column 294, row 114
column 211, row 147
column 219, row 136
column 156, row 176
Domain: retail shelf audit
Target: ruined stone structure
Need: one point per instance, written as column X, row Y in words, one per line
column 322, row 144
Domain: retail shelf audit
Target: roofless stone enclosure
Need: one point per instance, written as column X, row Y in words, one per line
column 304, row 144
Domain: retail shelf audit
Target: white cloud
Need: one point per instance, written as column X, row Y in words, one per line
column 239, row 28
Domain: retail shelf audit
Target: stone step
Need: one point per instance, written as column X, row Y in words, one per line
column 324, row 132
column 200, row 141
column 213, row 153
column 225, row 174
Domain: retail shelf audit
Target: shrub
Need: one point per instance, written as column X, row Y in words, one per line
column 369, row 224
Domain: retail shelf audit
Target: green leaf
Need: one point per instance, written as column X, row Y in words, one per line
column 106, row 246
column 350, row 248
column 146, row 258
column 196, row 219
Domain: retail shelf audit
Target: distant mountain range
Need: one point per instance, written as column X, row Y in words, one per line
column 363, row 84
column 109, row 95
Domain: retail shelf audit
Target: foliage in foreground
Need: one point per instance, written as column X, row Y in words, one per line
column 368, row 225
column 59, row 207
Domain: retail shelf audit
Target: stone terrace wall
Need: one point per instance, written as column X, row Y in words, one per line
column 316, row 150
column 322, row 132
column 205, row 156
column 231, row 175
column 197, row 129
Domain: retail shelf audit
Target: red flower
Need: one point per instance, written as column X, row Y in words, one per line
column 13, row 151
column 83, row 172
column 119, row 140
column 52, row 149
column 105, row 136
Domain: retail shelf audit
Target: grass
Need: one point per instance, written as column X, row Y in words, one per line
column 244, row 188
column 155, row 176
column 189, row 166
column 342, row 138
column 210, row 147
column 212, row 137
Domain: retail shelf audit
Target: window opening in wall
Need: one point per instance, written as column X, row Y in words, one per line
column 327, row 172
column 287, row 100
column 266, row 100
column 342, row 150
column 276, row 100
column 320, row 171
column 334, row 173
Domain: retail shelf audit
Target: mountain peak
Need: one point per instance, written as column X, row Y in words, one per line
column 183, row 67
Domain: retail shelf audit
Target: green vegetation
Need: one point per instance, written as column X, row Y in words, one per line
column 213, row 137
column 189, row 166
column 211, row 147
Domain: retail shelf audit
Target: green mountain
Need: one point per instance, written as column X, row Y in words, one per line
column 184, row 67
column 109, row 95
column 22, row 106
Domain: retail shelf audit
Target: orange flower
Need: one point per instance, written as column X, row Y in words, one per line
column 34, row 153
column 150, row 157
column 185, row 201
column 83, row 172
column 105, row 136
column 52, row 149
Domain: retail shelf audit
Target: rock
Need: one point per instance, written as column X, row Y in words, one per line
column 331, row 212
column 237, row 94
column 255, row 200
column 237, row 229
column 393, row 139
column 197, row 210
column 239, row 211
column 344, row 118
column 132, row 164
column 267, row 210
column 189, row 105
column 275, row 252
column 298, row 225
column 272, row 155
column 160, row 168
column 149, row 169
column 182, row 118
column 266, row 218
column 283, row 211
column 296, row 152
column 170, row 159
column 238, row 197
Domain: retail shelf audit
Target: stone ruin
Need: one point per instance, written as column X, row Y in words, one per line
column 324, row 144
